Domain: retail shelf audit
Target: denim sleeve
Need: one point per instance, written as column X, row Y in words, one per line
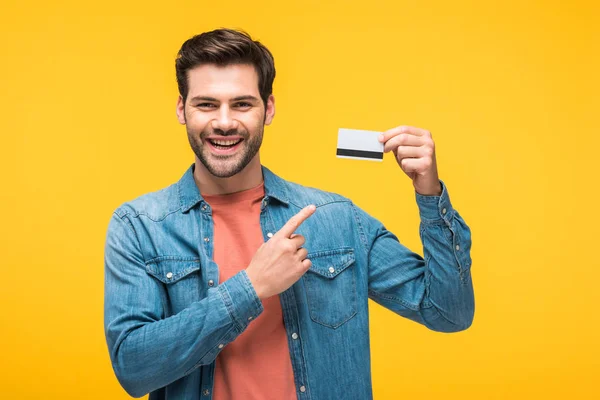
column 147, row 350
column 436, row 290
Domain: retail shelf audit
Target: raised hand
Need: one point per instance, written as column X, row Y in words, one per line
column 415, row 154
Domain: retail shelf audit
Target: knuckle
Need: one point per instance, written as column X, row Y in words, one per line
column 289, row 246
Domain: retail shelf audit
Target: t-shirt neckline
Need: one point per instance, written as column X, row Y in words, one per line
column 257, row 192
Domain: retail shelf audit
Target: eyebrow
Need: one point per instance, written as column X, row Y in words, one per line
column 239, row 98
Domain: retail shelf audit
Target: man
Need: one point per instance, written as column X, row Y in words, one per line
column 234, row 283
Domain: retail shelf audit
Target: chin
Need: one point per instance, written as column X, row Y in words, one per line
column 223, row 174
column 224, row 171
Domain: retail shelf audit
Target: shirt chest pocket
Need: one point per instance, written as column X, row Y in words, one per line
column 330, row 286
column 181, row 278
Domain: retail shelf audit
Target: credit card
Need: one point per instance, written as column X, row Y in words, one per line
column 359, row 145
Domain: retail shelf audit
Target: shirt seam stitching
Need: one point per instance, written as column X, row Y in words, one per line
column 125, row 218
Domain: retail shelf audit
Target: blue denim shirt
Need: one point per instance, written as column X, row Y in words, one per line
column 167, row 316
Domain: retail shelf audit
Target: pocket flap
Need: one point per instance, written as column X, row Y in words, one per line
column 329, row 263
column 170, row 269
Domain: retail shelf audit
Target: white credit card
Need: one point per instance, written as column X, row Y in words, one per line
column 359, row 145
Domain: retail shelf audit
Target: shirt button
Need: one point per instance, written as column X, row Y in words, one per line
column 211, row 283
column 204, row 207
column 331, row 269
column 249, row 318
column 169, row 275
column 457, row 247
column 221, row 346
column 206, row 239
column 270, row 234
column 443, row 211
column 302, row 389
column 294, row 336
column 206, row 392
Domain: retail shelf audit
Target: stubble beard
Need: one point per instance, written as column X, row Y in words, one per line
column 226, row 166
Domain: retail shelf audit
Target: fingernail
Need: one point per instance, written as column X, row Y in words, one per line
column 312, row 207
column 380, row 137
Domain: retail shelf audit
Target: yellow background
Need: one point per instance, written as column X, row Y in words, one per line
column 509, row 90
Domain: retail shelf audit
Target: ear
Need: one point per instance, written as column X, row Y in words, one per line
column 270, row 112
column 180, row 110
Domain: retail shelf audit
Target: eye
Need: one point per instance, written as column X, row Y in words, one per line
column 243, row 104
column 206, row 105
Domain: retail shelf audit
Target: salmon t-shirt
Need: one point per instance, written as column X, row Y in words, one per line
column 257, row 364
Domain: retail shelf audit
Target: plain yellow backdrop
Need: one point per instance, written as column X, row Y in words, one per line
column 509, row 90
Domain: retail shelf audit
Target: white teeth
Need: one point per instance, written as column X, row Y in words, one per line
column 225, row 142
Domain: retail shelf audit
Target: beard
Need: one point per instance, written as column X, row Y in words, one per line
column 226, row 166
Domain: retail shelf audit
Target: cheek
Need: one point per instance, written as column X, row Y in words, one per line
column 196, row 121
column 256, row 120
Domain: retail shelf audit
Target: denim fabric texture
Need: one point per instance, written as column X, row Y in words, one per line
column 167, row 316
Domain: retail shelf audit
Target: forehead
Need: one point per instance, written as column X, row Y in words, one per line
column 223, row 81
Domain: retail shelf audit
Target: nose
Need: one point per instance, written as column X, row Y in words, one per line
column 224, row 121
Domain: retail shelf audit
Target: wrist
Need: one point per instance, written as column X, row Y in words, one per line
column 437, row 191
column 255, row 284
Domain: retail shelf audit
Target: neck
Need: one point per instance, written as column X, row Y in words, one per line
column 208, row 184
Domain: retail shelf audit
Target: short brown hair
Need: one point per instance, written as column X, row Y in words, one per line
column 225, row 47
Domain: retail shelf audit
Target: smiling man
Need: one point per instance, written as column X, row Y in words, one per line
column 225, row 117
column 233, row 283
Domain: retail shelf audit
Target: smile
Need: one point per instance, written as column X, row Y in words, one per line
column 224, row 146
column 224, row 143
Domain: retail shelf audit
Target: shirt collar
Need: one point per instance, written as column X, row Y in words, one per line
column 189, row 195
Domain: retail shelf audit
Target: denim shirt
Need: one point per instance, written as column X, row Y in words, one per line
column 167, row 316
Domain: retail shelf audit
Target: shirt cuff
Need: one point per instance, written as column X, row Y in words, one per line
column 241, row 299
column 435, row 208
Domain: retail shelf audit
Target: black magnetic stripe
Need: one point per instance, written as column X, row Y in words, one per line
column 360, row 153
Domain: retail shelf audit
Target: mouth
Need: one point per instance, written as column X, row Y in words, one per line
column 219, row 146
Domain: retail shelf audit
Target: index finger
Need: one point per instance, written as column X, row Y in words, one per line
column 390, row 133
column 293, row 223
